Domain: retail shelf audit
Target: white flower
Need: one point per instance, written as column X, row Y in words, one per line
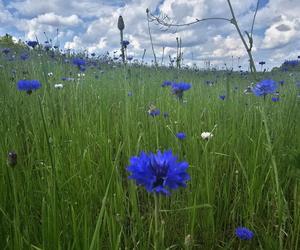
column 58, row 86
column 81, row 75
column 248, row 90
column 50, row 74
column 206, row 135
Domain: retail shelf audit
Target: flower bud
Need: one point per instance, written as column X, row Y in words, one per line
column 12, row 159
column 121, row 24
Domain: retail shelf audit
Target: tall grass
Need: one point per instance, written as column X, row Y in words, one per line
column 70, row 190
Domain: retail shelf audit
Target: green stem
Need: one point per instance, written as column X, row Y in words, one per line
column 47, row 138
column 227, row 86
column 122, row 46
column 279, row 196
column 150, row 36
column 55, row 191
column 234, row 22
column 156, row 217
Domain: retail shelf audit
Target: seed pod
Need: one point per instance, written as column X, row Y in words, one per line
column 12, row 159
column 121, row 24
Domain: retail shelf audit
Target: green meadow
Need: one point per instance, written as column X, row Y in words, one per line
column 70, row 187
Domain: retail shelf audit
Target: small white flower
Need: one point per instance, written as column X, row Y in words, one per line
column 206, row 135
column 81, row 75
column 50, row 74
column 248, row 90
column 59, row 86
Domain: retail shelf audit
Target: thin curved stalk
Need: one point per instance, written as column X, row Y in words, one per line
column 155, row 61
column 254, row 17
column 234, row 22
column 159, row 21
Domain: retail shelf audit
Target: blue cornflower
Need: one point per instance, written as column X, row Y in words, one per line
column 24, row 56
column 275, row 99
column 179, row 88
column 154, row 112
column 125, row 43
column 291, row 63
column 79, row 62
column 159, row 173
column 264, row 87
column 181, row 135
column 5, row 51
column 222, row 97
column 244, row 233
column 166, row 83
column 32, row 44
column 28, row 85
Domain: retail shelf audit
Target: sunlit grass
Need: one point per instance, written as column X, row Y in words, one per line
column 246, row 175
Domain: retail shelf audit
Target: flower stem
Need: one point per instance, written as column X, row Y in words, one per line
column 122, row 46
column 278, row 190
column 234, row 22
column 156, row 215
column 150, row 36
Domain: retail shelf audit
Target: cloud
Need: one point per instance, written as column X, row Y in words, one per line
column 6, row 18
column 92, row 25
column 283, row 27
column 281, row 33
column 49, row 23
column 56, row 20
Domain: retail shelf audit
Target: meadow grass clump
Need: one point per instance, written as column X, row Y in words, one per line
column 64, row 153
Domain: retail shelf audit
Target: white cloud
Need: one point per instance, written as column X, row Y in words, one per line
column 6, row 17
column 281, row 33
column 92, row 25
column 56, row 20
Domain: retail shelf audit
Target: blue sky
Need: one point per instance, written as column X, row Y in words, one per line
column 263, row 3
column 92, row 25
